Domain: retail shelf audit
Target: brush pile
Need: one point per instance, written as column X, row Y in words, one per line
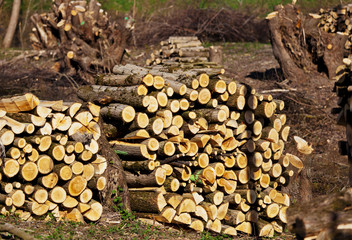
column 50, row 161
column 198, row 149
column 87, row 40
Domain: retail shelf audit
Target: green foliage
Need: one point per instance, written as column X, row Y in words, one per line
column 57, row 234
column 150, row 7
column 118, row 152
column 118, row 207
column 209, row 236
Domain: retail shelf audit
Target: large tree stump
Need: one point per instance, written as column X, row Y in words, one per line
column 300, row 47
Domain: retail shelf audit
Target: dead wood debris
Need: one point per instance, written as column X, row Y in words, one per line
column 87, row 40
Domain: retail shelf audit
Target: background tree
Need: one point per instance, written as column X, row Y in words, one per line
column 12, row 24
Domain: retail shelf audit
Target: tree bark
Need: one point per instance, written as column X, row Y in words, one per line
column 300, row 47
column 114, row 173
column 12, row 24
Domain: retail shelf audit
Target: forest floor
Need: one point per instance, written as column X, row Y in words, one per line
column 307, row 105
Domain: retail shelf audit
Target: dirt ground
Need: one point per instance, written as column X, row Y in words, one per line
column 307, row 106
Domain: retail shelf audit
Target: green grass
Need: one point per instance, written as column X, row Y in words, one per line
column 261, row 7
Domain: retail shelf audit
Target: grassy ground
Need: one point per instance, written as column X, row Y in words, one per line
column 128, row 229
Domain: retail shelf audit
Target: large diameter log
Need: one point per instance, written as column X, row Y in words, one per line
column 49, row 181
column 156, row 178
column 127, row 95
column 131, row 149
column 118, row 112
column 98, row 182
column 211, row 115
column 124, row 80
column 141, row 121
column 147, row 201
column 76, row 186
column 138, row 165
column 11, row 168
column 18, row 198
column 6, row 136
column 61, row 122
column 215, row 197
column 40, row 195
column 63, row 171
column 204, row 96
column 29, row 171
column 45, row 164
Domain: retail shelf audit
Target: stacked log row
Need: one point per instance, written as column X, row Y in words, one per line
column 337, row 20
column 185, row 51
column 198, row 149
column 50, row 161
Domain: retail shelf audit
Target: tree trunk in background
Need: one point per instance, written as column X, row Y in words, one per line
column 12, row 24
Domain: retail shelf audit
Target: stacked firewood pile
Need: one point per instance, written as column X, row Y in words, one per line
column 182, row 51
column 198, row 149
column 87, row 40
column 49, row 159
column 337, row 20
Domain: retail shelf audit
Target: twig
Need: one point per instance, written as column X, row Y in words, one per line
column 279, row 90
column 204, row 26
column 304, row 104
column 70, row 79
